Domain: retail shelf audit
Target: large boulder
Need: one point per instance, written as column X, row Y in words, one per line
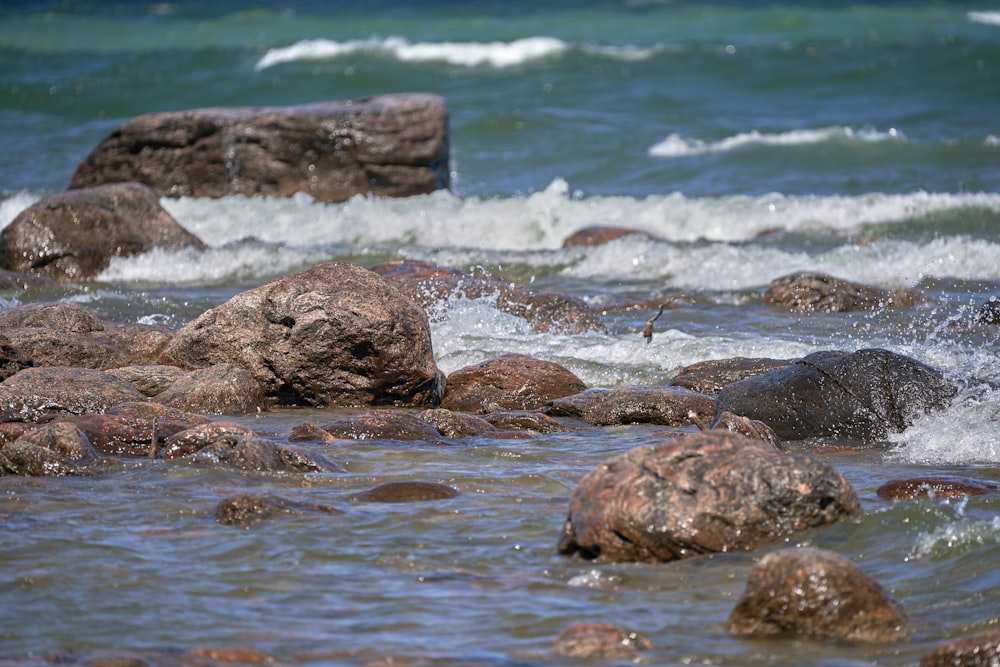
column 808, row 291
column 390, row 145
column 335, row 335
column 707, row 492
column 862, row 395
column 74, row 235
column 508, row 382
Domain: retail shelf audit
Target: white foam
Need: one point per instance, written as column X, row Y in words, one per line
column 677, row 146
column 467, row 54
column 14, row 203
column 988, row 18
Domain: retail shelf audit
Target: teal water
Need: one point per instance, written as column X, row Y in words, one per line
column 749, row 140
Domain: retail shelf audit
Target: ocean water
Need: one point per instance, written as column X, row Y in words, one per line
column 748, row 139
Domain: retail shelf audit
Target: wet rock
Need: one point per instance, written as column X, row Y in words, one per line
column 706, row 492
column 115, row 435
column 50, row 449
column 14, row 280
column 600, row 640
column 406, row 492
column 751, row 428
column 815, row 593
column 979, row 650
column 12, row 359
column 165, row 415
column 508, row 382
column 383, row 425
column 810, row 291
column 198, row 437
column 335, row 335
column 248, row 509
column 709, row 377
column 669, row 406
column 430, row 285
column 247, row 452
column 11, row 431
column 309, row 432
column 36, row 394
column 598, row 235
column 222, row 389
column 207, row 656
column 456, row 425
column 525, row 421
column 388, row 145
column 989, row 312
column 74, row 235
column 150, row 379
column 862, row 395
column 935, row 486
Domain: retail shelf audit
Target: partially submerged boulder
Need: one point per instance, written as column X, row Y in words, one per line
column 383, row 425
column 406, row 492
column 668, row 406
column 598, row 235
column 981, row 649
column 936, row 486
column 248, row 452
column 707, row 492
column 709, row 377
column 247, row 509
column 508, row 382
column 51, row 449
column 816, row 593
column 388, row 145
column 39, row 394
column 74, row 235
column 601, row 640
column 809, row 291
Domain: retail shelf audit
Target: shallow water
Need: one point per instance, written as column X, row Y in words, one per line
column 748, row 140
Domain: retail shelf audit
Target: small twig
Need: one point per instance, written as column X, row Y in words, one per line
column 647, row 333
column 698, row 421
column 153, row 443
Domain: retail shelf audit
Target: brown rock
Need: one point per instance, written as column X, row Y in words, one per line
column 979, row 650
column 815, row 593
column 309, row 432
column 12, row 359
column 709, row 377
column 598, row 235
column 406, row 492
column 334, row 335
column 389, row 145
column 63, row 439
column 600, row 640
column 508, row 382
column 34, row 394
column 222, row 389
column 525, row 421
column 198, row 437
column 112, row 434
column 670, row 406
column 50, row 449
column 238, row 654
column 248, row 452
column 150, row 379
column 74, row 235
column 937, row 486
column 247, row 509
column 809, row 291
column 751, row 428
column 456, row 425
column 383, row 425
column 702, row 493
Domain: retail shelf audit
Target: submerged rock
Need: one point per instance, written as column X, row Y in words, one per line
column 811, row 291
column 51, row 449
column 600, row 640
column 706, row 492
column 935, row 486
column 388, row 145
column 383, row 425
column 815, row 593
column 199, row 436
column 508, row 382
column 979, row 650
column 248, row 509
column 407, row 492
column 669, row 406
column 598, row 235
column 248, row 452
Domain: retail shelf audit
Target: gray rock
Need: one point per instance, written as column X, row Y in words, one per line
column 669, row 406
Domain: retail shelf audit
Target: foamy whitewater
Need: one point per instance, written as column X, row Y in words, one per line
column 740, row 142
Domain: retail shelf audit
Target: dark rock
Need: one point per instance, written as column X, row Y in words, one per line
column 600, row 640
column 935, row 487
column 670, row 406
column 456, row 425
column 979, row 650
column 390, row 145
column 150, row 379
column 430, row 285
column 809, row 291
column 989, row 312
column 815, row 593
column 12, row 359
column 859, row 396
column 222, row 389
column 525, row 421
column 248, row 452
column 199, row 436
column 247, row 509
column 751, row 428
column 706, row 492
column 13, row 280
column 309, row 432
column 74, row 235
column 709, row 377
column 334, row 335
column 35, row 394
column 383, row 425
column 406, row 492
column 598, row 235
column 508, row 382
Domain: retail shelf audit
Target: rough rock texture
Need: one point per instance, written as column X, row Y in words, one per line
column 810, row 291
column 390, row 145
column 862, row 395
column 751, row 428
column 936, row 486
column 51, row 449
column 815, row 593
column 247, row 509
column 74, row 235
column 457, row 425
column 406, row 492
column 431, row 285
column 525, row 421
column 508, row 382
column 335, row 335
column 383, row 425
column 222, row 389
column 199, row 436
column 598, row 235
column 600, row 640
column 150, row 379
column 979, row 650
column 670, row 406
column 36, row 394
column 709, row 377
column 707, row 492
column 12, row 359
column 248, row 452
column 14, row 280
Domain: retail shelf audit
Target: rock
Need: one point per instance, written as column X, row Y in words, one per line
column 237, row 654
column 115, row 435
column 35, row 394
column 31, row 460
column 936, row 486
column 456, row 425
column 74, row 235
column 198, row 437
column 751, row 428
column 162, row 413
column 508, row 382
column 248, row 509
column 858, row 396
column 309, row 432
column 808, row 291
column 598, row 235
column 13, row 280
column 406, row 492
column 706, row 492
column 600, row 640
column 12, row 359
column 545, row 312
column 248, row 452
column 388, row 145
column 989, row 312
column 709, row 377
column 334, row 335
column 815, row 593
column 150, row 379
column 525, row 421
column 670, row 406
column 222, row 389
column 979, row 650
column 383, row 425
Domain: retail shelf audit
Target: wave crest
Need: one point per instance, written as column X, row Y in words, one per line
column 677, row 146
